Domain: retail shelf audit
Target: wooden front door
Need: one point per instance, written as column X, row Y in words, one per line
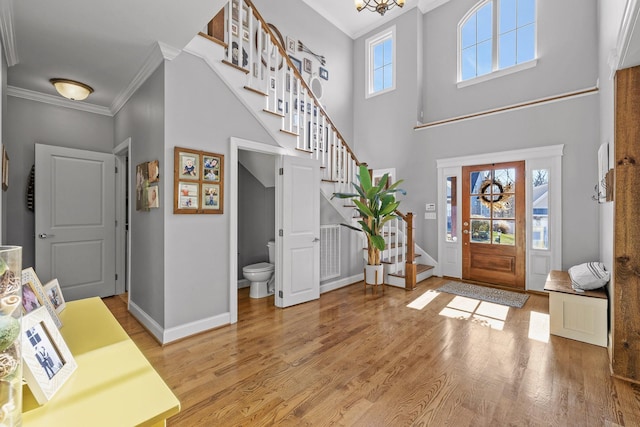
column 493, row 224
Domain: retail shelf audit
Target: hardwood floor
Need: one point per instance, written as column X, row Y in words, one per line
column 352, row 358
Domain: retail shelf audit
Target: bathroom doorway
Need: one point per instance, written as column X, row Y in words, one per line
column 256, row 212
column 250, row 227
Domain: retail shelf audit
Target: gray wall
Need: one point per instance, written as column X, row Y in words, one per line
column 567, row 62
column 256, row 219
column 295, row 19
column 28, row 122
column 201, row 113
column 142, row 119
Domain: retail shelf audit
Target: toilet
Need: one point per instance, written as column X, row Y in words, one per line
column 261, row 275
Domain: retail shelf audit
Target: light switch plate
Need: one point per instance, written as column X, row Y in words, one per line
column 429, row 215
column 430, row 207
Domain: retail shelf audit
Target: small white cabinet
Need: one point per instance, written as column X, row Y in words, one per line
column 580, row 316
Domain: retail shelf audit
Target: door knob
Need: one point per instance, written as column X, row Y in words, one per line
column 316, row 240
column 45, row 235
column 465, row 231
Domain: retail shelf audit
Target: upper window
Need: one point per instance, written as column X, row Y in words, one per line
column 496, row 34
column 381, row 59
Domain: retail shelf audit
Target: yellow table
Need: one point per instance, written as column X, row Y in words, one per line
column 114, row 384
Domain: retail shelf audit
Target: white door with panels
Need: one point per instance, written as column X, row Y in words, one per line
column 300, row 235
column 75, row 220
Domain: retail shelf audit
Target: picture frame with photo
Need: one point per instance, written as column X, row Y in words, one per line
column 32, row 285
column 292, row 45
column 188, row 164
column 203, row 193
column 323, row 73
column 308, row 65
column 210, row 196
column 153, row 197
column 297, row 63
column 188, row 198
column 154, row 171
column 142, row 183
column 48, row 362
column 54, row 293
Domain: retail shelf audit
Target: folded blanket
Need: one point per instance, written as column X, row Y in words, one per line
column 588, row 276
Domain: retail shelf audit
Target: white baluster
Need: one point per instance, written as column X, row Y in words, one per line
column 230, row 34
column 250, row 25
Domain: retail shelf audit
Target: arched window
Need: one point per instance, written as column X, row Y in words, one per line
column 495, row 35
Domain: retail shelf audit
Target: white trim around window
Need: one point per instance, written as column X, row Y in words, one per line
column 369, row 44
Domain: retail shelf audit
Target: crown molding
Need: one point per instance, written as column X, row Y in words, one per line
column 7, row 33
column 627, row 27
column 159, row 52
column 57, row 100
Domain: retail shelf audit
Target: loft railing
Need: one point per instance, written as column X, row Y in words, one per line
column 257, row 49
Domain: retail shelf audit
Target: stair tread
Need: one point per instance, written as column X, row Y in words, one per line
column 393, row 259
column 224, row 61
column 273, row 113
column 213, row 39
column 256, row 91
column 420, row 268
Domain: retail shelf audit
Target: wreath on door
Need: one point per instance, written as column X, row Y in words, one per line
column 496, row 200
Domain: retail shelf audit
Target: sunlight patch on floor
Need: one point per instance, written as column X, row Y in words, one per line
column 423, row 300
column 481, row 312
column 539, row 326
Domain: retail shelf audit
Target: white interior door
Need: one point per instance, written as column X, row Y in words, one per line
column 75, row 220
column 299, row 242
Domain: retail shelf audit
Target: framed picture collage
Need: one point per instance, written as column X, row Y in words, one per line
column 198, row 182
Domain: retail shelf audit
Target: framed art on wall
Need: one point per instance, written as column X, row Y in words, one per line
column 198, row 182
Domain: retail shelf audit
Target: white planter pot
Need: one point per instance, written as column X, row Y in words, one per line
column 373, row 274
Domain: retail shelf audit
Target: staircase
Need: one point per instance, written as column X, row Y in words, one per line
column 268, row 83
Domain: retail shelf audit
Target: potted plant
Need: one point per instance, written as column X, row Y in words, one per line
column 377, row 205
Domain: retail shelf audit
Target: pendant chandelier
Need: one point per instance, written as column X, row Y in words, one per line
column 380, row 6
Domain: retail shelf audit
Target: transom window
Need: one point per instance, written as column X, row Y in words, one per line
column 380, row 53
column 494, row 35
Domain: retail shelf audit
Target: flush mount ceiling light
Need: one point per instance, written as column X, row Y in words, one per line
column 380, row 6
column 71, row 89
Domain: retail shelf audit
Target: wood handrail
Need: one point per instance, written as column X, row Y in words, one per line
column 295, row 71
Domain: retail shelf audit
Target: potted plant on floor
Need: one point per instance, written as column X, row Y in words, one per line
column 377, row 205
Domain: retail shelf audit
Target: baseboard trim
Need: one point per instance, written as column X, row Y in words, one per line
column 332, row 286
column 149, row 324
column 243, row 283
column 166, row 336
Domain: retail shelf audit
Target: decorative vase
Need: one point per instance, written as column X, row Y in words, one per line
column 373, row 274
column 10, row 348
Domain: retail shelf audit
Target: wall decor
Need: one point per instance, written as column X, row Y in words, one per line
column 5, row 169
column 292, row 44
column 265, row 50
column 198, row 182
column 297, row 63
column 48, row 362
column 303, row 48
column 153, row 197
column 146, row 173
column 324, row 73
column 308, row 65
column 31, row 286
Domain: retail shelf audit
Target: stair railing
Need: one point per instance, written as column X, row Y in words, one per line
column 257, row 48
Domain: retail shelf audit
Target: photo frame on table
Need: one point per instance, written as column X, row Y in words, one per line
column 54, row 293
column 48, row 362
column 31, row 285
column 198, row 189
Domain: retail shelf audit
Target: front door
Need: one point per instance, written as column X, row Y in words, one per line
column 300, row 227
column 493, row 224
column 75, row 220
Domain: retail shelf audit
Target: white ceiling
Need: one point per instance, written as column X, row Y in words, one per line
column 104, row 44
column 113, row 45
